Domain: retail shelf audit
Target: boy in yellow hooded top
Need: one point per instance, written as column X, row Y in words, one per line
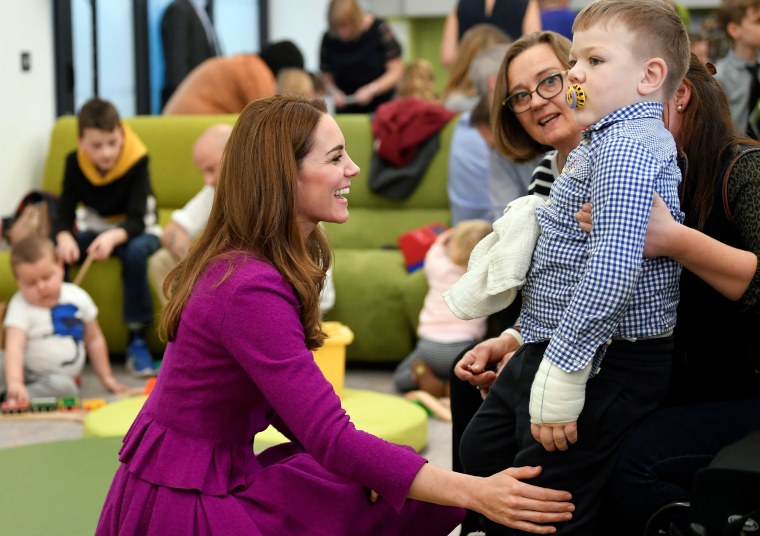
column 108, row 175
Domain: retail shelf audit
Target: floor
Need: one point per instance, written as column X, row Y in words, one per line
column 16, row 433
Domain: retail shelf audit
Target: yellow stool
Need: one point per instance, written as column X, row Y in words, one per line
column 331, row 358
column 390, row 417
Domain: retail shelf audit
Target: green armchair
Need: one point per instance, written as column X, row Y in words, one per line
column 375, row 295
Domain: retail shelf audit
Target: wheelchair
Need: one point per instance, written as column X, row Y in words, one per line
column 724, row 500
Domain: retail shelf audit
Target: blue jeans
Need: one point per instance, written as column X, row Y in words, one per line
column 133, row 254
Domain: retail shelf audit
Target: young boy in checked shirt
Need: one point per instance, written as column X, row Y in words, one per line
column 597, row 317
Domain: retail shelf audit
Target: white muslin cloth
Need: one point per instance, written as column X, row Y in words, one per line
column 499, row 263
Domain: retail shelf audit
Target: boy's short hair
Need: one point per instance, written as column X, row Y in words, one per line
column 658, row 29
column 31, row 249
column 98, row 113
column 466, row 235
column 733, row 11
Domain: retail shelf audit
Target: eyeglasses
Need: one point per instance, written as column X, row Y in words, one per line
column 548, row 88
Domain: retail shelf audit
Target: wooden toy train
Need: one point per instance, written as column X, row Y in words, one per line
column 49, row 404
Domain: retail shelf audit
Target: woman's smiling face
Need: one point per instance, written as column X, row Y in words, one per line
column 324, row 177
column 548, row 121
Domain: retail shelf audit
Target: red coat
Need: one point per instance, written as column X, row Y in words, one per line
column 401, row 125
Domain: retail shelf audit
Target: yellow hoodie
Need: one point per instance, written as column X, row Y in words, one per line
column 132, row 150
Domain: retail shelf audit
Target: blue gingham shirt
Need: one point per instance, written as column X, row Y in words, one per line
column 584, row 289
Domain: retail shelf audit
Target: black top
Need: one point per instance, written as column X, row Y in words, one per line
column 125, row 199
column 507, row 15
column 358, row 62
column 717, row 344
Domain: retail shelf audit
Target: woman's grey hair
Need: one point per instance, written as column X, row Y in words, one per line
column 486, row 65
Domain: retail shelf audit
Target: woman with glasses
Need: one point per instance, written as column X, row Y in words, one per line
column 529, row 111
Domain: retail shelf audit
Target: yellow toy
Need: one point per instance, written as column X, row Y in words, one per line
column 576, row 96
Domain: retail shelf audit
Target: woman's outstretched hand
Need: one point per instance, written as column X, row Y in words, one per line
column 519, row 505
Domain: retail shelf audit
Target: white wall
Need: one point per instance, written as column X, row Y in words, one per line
column 301, row 22
column 27, row 99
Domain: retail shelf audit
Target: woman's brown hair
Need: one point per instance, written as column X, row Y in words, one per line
column 254, row 210
column 509, row 135
column 708, row 138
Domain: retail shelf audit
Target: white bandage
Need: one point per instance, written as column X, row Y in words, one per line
column 557, row 396
column 516, row 334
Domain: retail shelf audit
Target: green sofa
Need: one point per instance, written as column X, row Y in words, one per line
column 375, row 296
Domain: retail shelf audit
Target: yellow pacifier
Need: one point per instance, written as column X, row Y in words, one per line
column 576, row 96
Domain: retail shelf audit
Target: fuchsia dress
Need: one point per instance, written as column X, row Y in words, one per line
column 238, row 364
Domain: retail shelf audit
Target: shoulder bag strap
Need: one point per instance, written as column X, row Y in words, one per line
column 727, row 175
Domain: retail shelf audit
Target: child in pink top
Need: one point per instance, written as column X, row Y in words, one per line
column 442, row 336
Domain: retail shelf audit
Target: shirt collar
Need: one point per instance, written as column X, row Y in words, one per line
column 733, row 59
column 652, row 110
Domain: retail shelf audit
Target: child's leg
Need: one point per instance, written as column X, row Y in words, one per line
column 84, row 239
column 634, row 378
column 489, row 442
column 51, row 384
column 437, row 358
column 465, row 402
column 138, row 307
column 159, row 266
column 440, row 355
column 403, row 378
column 38, row 385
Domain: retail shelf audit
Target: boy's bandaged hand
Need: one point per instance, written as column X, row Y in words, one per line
column 556, row 402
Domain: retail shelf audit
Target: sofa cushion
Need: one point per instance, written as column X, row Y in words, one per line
column 370, row 283
column 372, row 228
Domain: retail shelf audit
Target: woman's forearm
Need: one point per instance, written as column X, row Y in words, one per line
column 532, row 19
column 503, row 497
column 394, row 69
column 450, row 39
column 448, row 488
column 727, row 269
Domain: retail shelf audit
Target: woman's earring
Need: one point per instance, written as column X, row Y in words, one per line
column 679, row 107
